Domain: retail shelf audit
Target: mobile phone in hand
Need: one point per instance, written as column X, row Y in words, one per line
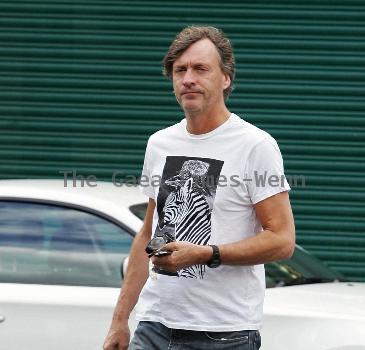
column 162, row 253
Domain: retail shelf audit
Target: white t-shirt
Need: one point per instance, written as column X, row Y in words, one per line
column 208, row 185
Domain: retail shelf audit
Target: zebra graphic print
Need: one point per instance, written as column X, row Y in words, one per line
column 189, row 212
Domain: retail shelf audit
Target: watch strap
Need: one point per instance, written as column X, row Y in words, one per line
column 215, row 260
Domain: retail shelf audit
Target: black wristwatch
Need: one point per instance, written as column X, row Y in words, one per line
column 215, row 260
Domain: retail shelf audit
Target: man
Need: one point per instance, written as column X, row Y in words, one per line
column 226, row 223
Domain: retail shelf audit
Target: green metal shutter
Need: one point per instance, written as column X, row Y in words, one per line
column 81, row 89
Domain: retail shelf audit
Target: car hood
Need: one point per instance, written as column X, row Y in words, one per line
column 336, row 300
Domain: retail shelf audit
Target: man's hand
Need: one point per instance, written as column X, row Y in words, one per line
column 118, row 337
column 184, row 254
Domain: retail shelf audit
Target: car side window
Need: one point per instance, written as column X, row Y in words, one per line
column 52, row 244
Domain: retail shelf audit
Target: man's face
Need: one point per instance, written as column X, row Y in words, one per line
column 198, row 79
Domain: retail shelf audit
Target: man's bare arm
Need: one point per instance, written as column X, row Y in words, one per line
column 136, row 276
column 275, row 242
column 137, row 271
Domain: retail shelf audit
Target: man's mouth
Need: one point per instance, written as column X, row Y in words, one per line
column 190, row 92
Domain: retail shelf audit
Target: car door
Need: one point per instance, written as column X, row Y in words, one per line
column 59, row 275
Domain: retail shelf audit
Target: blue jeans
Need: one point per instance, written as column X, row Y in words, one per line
column 155, row 336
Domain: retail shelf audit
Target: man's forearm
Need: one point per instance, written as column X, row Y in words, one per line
column 262, row 248
column 276, row 242
column 136, row 276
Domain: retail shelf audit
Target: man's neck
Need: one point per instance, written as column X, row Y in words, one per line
column 202, row 123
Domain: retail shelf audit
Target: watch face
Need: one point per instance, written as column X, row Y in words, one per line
column 214, row 264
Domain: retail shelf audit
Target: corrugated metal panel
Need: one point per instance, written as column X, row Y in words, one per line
column 81, row 89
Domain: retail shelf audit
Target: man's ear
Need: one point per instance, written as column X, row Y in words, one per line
column 226, row 82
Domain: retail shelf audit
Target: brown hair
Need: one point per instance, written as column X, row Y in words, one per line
column 191, row 35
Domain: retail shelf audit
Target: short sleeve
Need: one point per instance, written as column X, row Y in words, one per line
column 145, row 184
column 264, row 171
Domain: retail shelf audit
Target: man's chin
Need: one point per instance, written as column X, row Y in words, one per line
column 191, row 108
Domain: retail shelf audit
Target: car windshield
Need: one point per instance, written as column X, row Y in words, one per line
column 301, row 268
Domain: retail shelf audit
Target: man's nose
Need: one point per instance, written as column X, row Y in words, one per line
column 189, row 78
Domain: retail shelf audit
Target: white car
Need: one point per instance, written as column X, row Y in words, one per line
column 61, row 260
